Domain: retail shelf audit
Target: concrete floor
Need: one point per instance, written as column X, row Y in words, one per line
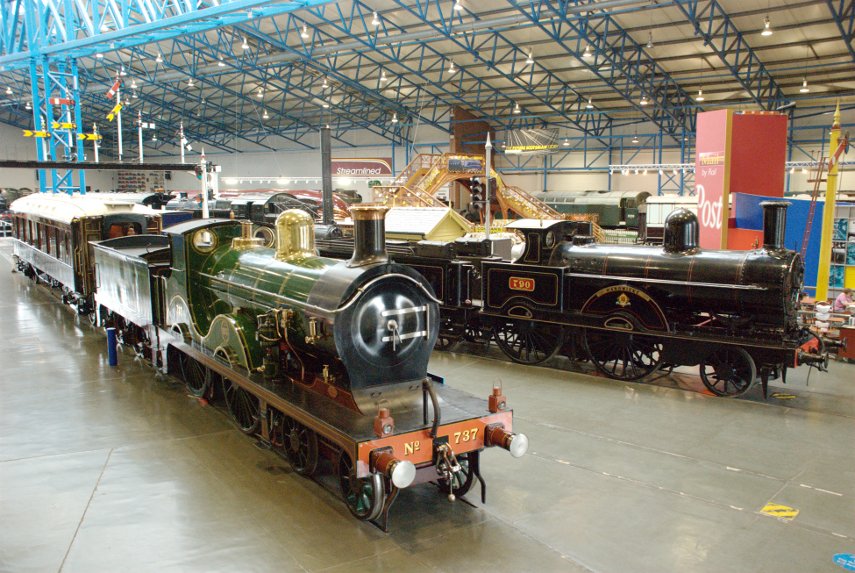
column 117, row 469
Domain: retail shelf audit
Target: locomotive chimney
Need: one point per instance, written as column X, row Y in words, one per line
column 681, row 232
column 774, row 224
column 369, row 235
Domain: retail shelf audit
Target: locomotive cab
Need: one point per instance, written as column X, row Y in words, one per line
column 543, row 235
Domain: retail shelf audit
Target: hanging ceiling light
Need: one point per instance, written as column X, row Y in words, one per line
column 383, row 77
column 643, row 100
column 804, row 89
column 375, row 21
column 134, row 84
column 635, row 140
column 122, row 71
column 395, row 117
column 305, row 33
column 451, row 68
column 29, row 106
column 8, row 91
column 325, row 85
column 767, row 27
column 587, row 53
column 649, row 40
column 244, row 45
column 566, row 142
column 159, row 58
column 517, row 109
column 154, row 137
column 530, row 59
column 325, row 105
column 190, row 83
column 99, row 55
column 792, row 170
column 590, row 104
column 265, row 115
column 457, row 6
column 260, row 93
column 700, row 96
column 221, row 63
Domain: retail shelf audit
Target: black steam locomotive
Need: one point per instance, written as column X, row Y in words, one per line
column 324, row 360
column 630, row 309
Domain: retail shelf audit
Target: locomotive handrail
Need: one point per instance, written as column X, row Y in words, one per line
column 668, row 281
column 319, row 309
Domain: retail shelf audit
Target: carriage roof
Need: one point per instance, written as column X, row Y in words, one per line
column 534, row 223
column 65, row 208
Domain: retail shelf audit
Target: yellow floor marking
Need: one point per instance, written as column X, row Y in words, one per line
column 780, row 511
column 783, row 396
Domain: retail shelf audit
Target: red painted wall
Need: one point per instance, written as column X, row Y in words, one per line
column 759, row 151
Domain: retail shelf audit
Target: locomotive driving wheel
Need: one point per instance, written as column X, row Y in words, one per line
column 243, row 407
column 364, row 496
column 623, row 355
column 197, row 378
column 528, row 342
column 299, row 443
column 729, row 371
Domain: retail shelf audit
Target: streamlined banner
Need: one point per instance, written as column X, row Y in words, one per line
column 362, row 167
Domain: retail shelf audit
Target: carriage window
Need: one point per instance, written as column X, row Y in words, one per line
column 204, row 241
column 57, row 237
column 38, row 237
column 30, row 232
column 47, row 236
column 123, row 230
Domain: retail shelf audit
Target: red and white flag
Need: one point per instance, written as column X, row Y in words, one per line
column 113, row 89
column 61, row 101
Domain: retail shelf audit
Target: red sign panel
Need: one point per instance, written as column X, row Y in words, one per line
column 520, row 283
column 712, row 179
column 364, row 167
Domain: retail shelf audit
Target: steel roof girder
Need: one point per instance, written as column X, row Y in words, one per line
column 420, row 7
column 308, row 57
column 133, row 29
column 733, row 50
column 625, row 59
column 503, row 51
column 843, row 12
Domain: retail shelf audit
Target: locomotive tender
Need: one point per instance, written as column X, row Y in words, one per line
column 324, row 360
column 629, row 309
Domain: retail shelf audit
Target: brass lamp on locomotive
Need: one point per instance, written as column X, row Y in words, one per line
column 324, row 359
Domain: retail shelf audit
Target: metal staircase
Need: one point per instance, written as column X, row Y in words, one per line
column 418, row 183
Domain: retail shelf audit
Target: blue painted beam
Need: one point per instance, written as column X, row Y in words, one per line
column 843, row 12
column 137, row 23
column 616, row 58
column 721, row 35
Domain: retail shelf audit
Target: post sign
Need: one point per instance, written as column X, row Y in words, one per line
column 712, row 177
column 362, row 167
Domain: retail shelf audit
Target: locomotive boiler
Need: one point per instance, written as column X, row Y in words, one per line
column 359, row 331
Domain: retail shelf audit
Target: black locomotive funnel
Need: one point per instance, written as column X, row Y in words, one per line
column 774, row 224
column 369, row 235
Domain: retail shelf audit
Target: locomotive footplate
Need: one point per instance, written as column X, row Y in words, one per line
column 464, row 426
